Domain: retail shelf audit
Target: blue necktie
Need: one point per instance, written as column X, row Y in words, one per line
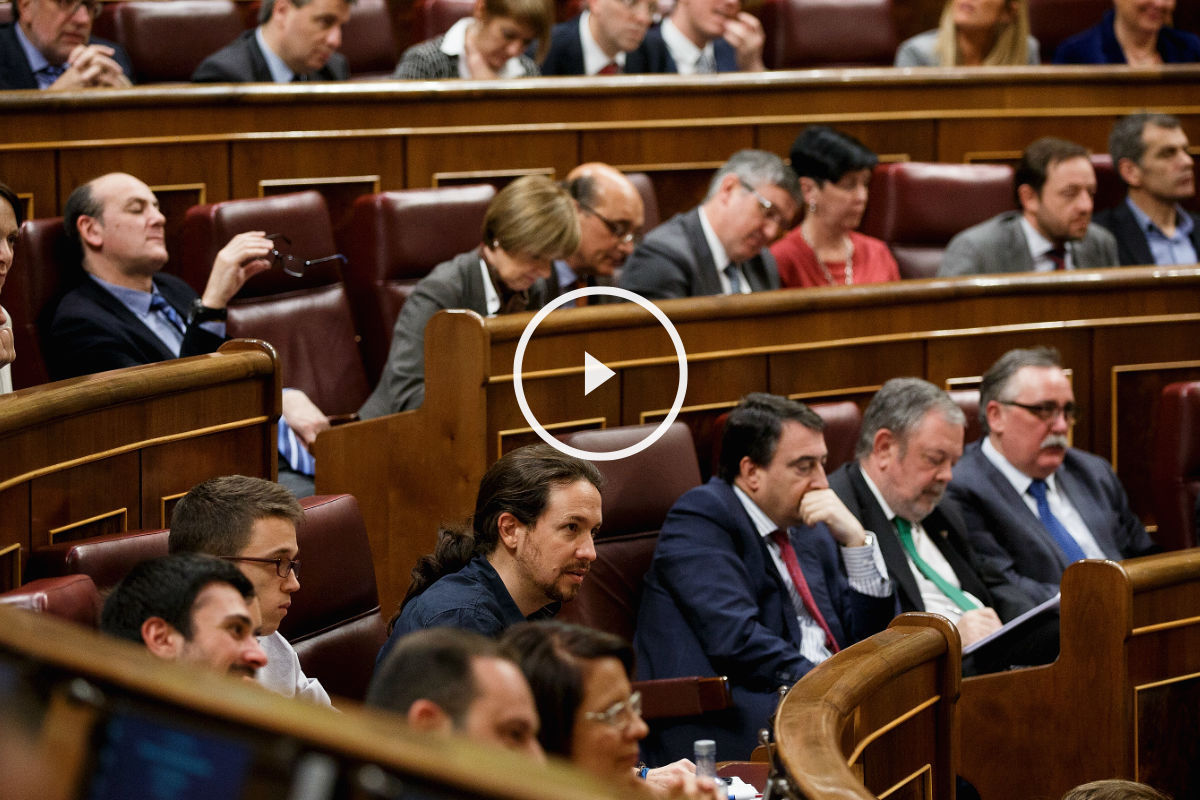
column 159, row 304
column 48, row 74
column 1065, row 540
column 294, row 451
column 735, row 278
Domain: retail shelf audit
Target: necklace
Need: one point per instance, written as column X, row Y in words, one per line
column 848, row 272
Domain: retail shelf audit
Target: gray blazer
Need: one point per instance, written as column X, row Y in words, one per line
column 674, row 261
column 427, row 61
column 241, row 61
column 998, row 245
column 921, row 51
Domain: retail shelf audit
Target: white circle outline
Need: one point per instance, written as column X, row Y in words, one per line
column 608, row 455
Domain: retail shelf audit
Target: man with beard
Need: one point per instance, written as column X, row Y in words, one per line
column 1032, row 503
column 1053, row 229
column 720, row 247
column 528, row 549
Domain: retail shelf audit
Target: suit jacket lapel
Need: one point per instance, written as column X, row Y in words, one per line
column 1022, row 516
column 874, row 520
column 1089, row 510
column 707, row 279
column 1018, row 245
column 1131, row 236
column 938, row 528
column 132, row 326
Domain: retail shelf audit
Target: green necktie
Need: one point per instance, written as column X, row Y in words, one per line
column 950, row 590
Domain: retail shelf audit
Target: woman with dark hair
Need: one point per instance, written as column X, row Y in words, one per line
column 825, row 249
column 491, row 43
column 590, row 714
column 10, row 223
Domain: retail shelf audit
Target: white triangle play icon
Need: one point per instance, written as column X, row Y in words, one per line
column 594, row 373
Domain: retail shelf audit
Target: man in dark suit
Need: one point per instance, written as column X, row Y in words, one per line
column 1032, row 503
column 1053, row 230
column 1150, row 153
column 758, row 575
column 296, row 40
column 50, row 45
column 720, row 247
column 707, row 36
column 608, row 38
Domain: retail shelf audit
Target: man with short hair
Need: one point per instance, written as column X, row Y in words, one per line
column 49, row 45
column 1055, row 185
column 1032, row 503
column 127, row 311
column 528, row 549
column 707, row 36
column 447, row 680
column 190, row 608
column 608, row 38
column 720, row 247
column 1150, row 153
column 251, row 522
column 758, row 575
column 296, row 40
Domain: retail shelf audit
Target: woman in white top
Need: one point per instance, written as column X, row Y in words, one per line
column 974, row 33
column 10, row 221
column 490, row 43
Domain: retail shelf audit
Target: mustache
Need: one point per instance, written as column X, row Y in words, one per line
column 243, row 671
column 1055, row 440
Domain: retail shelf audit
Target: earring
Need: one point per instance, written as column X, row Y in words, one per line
column 812, row 206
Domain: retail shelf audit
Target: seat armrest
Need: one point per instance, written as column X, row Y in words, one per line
column 683, row 697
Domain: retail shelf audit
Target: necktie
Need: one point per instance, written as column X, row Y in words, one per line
column 788, row 554
column 706, row 64
column 1059, row 256
column 159, row 305
column 611, row 68
column 735, row 278
column 956, row 595
column 48, row 74
column 1066, row 542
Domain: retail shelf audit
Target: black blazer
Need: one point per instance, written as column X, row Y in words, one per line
column 241, row 61
column 15, row 72
column 565, row 56
column 1132, row 247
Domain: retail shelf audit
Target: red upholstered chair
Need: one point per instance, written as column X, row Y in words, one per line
column 1176, row 465
column 917, row 208
column 72, row 597
column 307, row 319
column 1052, row 21
column 367, row 40
column 45, row 265
column 968, row 401
column 104, row 559
column 393, row 240
column 1110, row 189
column 645, row 188
column 167, row 41
column 434, row 17
column 6, row 14
column 818, row 33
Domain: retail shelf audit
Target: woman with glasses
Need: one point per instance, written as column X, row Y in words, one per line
column 590, row 714
column 974, row 33
column 10, row 223
column 825, row 249
column 491, row 43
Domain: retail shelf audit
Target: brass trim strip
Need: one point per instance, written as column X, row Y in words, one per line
column 123, row 512
column 301, row 183
column 202, row 188
column 16, row 572
column 162, row 507
column 1165, row 626
column 927, row 769
column 552, row 426
column 1121, row 369
column 1166, row 681
column 895, row 723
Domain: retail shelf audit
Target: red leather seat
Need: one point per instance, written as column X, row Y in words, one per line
column 1176, row 466
column 1052, row 21
column 307, row 319
column 826, row 33
column 393, row 240
column 72, row 597
column 1110, row 189
column 45, row 265
column 434, row 17
column 968, row 401
column 645, row 187
column 104, row 559
column 167, row 41
column 367, row 40
column 917, row 208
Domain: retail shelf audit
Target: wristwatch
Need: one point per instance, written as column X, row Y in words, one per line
column 202, row 313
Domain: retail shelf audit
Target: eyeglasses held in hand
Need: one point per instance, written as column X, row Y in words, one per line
column 292, row 265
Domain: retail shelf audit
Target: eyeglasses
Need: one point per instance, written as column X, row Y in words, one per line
column 651, row 6
column 622, row 230
column 768, row 208
column 1047, row 411
column 69, row 7
column 292, row 265
column 619, row 715
column 283, row 566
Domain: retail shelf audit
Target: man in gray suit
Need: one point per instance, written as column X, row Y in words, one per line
column 1032, row 503
column 1053, row 230
column 720, row 247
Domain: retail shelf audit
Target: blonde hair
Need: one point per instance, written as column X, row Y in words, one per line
column 538, row 15
column 1011, row 48
column 532, row 216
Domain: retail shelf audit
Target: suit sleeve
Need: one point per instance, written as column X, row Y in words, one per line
column 1008, row 599
column 213, row 70
column 656, row 273
column 961, row 258
column 1131, row 535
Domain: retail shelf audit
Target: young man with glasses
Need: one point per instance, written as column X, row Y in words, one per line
column 49, row 46
column 251, row 523
column 720, row 247
column 1032, row 503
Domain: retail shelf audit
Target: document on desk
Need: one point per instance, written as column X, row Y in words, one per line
column 1014, row 623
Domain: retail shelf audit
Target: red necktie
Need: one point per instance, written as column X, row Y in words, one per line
column 611, row 68
column 1059, row 256
column 788, row 554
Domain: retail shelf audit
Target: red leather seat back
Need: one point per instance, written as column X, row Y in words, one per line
column 1052, row 21
column 1110, row 189
column 367, row 40
column 434, row 17
column 645, row 188
column 823, row 33
column 1176, row 465
column 167, row 41
column 393, row 240
column 104, row 559
column 72, row 597
column 968, row 401
column 843, row 421
column 45, row 265
column 918, row 207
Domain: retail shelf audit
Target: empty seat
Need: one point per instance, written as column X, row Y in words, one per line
column 816, row 33
column 393, row 240
column 1176, row 465
column 1052, row 21
column 917, row 208
column 368, row 42
column 72, row 597
column 307, row 319
column 434, row 17
column 45, row 265
column 167, row 41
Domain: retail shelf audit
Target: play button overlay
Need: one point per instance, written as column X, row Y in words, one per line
column 596, row 373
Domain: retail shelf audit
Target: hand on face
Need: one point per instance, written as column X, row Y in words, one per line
column 246, row 255
column 8, row 351
column 91, row 66
column 745, row 33
column 822, row 505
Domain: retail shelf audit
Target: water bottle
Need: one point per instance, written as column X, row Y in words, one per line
column 704, row 753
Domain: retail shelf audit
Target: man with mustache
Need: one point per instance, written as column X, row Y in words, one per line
column 1053, row 230
column 1032, row 503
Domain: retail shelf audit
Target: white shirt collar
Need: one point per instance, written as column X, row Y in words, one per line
column 887, row 510
column 762, row 523
column 1038, row 247
column 1019, row 480
column 683, row 51
column 454, row 43
column 280, row 72
column 489, row 291
column 594, row 58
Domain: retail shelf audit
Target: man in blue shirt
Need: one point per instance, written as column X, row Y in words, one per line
column 49, row 46
column 1150, row 153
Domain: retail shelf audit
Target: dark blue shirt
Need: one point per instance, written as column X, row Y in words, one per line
column 474, row 598
column 1099, row 45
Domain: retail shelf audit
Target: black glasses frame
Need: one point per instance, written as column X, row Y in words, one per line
column 769, row 210
column 283, row 566
column 623, row 231
column 1047, row 412
column 292, row 265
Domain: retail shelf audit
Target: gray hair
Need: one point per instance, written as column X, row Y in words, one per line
column 900, row 405
column 1125, row 140
column 756, row 167
column 998, row 377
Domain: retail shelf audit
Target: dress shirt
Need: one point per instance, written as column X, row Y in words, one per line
column 1177, row 249
column 280, row 72
column 1060, row 505
column 865, row 571
column 138, row 303
column 284, row 675
column 934, row 599
column 687, row 57
column 489, row 290
column 721, row 259
column 43, row 71
column 566, row 277
column 594, row 59
column 454, row 43
column 1039, row 246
